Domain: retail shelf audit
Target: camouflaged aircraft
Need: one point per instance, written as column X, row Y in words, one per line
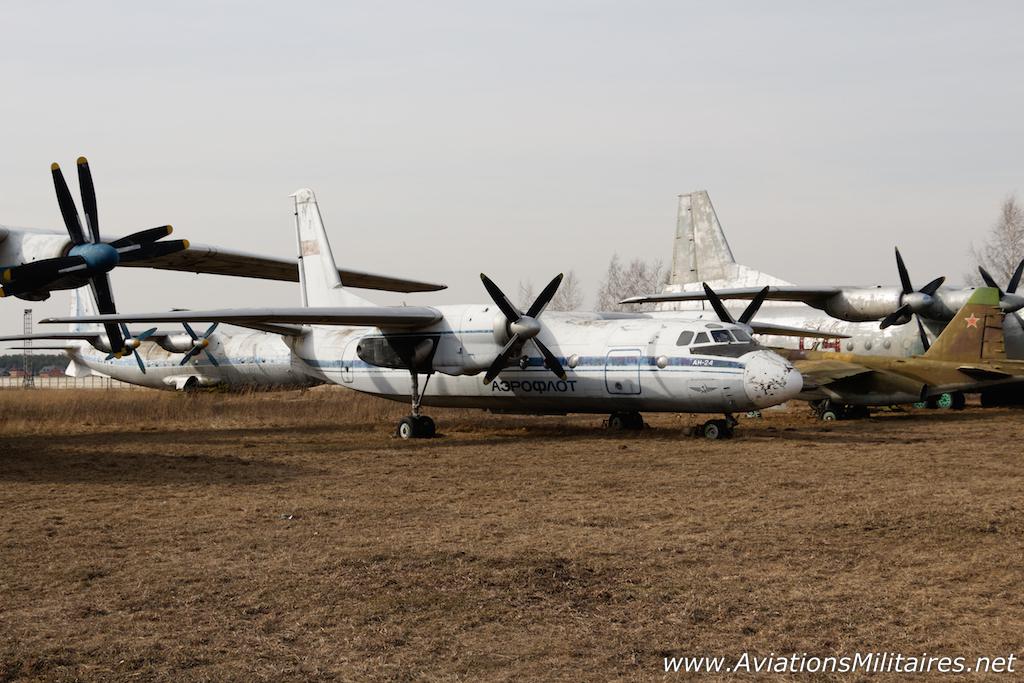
column 496, row 357
column 968, row 356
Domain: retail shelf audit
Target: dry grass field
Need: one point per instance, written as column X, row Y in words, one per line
column 148, row 536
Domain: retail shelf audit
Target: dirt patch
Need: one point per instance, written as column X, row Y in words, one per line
column 289, row 537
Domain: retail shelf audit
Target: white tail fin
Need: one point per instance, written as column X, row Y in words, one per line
column 701, row 252
column 83, row 304
column 318, row 273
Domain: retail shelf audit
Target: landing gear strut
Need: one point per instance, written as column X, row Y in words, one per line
column 416, row 426
column 618, row 422
column 717, row 429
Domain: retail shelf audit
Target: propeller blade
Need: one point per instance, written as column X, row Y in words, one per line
column 920, row 331
column 43, row 271
column 210, row 329
column 88, row 190
column 138, row 360
column 511, row 313
column 904, row 275
column 542, row 301
column 499, row 362
column 895, row 316
column 716, row 303
column 105, row 304
column 147, row 334
column 1015, row 280
column 190, row 331
column 933, row 286
column 550, row 360
column 188, row 355
column 753, row 307
column 213, row 360
column 143, row 252
column 143, row 237
column 989, row 280
column 67, row 206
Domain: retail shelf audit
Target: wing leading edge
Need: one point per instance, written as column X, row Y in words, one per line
column 808, row 295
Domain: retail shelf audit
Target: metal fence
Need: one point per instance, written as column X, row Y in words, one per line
column 64, row 382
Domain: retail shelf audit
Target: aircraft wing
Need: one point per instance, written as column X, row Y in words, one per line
column 985, row 374
column 808, row 295
column 201, row 258
column 53, row 336
column 823, row 372
column 787, row 331
column 386, row 317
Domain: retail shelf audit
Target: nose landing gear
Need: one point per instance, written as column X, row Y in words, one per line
column 618, row 422
column 717, row 429
column 416, row 426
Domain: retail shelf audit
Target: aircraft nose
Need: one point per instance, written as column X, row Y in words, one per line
column 769, row 379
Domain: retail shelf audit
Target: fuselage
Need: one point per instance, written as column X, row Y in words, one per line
column 244, row 360
column 612, row 365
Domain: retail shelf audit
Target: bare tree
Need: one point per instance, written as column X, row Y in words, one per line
column 569, row 296
column 636, row 278
column 1004, row 247
column 526, row 294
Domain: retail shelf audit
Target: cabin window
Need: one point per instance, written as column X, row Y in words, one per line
column 721, row 336
column 741, row 335
column 685, row 338
column 702, row 338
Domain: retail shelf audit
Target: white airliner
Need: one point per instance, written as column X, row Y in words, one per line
column 569, row 363
column 178, row 360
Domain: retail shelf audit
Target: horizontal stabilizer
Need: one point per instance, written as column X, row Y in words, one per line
column 808, row 295
column 74, row 336
column 984, row 373
column 387, row 317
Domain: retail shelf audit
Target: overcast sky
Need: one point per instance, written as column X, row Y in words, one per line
column 520, row 139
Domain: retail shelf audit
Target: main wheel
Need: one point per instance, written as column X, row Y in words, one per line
column 634, row 421
column 829, row 416
column 425, row 427
column 957, row 400
column 407, row 427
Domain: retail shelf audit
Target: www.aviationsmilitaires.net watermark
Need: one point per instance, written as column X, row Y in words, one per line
column 857, row 663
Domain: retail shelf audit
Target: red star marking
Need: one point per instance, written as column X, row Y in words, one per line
column 972, row 321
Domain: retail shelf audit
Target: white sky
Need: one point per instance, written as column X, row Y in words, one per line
column 520, row 139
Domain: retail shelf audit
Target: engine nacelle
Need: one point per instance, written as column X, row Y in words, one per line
column 176, row 343
column 863, row 305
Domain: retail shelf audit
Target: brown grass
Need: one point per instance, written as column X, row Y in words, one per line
column 288, row 537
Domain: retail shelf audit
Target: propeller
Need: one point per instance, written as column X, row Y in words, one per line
column 523, row 326
column 746, row 319
column 132, row 344
column 1009, row 300
column 199, row 343
column 912, row 302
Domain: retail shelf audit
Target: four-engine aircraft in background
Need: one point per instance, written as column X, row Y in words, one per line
column 34, row 263
column 494, row 356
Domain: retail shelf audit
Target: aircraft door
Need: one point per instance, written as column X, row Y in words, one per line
column 348, row 358
column 622, row 371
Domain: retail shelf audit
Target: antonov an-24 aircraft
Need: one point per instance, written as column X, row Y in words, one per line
column 575, row 362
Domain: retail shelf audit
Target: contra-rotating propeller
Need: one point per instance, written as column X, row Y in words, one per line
column 913, row 303
column 90, row 258
column 132, row 343
column 748, row 313
column 1009, row 300
column 199, row 343
column 522, row 326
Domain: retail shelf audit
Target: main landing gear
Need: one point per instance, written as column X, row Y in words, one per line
column 618, row 422
column 827, row 411
column 416, row 426
column 717, row 429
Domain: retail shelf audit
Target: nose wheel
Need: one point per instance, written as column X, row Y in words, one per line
column 717, row 429
column 416, row 426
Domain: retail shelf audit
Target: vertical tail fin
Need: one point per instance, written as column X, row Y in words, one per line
column 975, row 332
column 318, row 273
column 701, row 252
column 83, row 304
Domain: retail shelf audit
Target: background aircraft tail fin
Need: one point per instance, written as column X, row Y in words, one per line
column 318, row 273
column 975, row 332
column 83, row 304
column 701, row 252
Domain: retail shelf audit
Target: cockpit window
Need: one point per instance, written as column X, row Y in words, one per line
column 741, row 335
column 702, row 338
column 685, row 338
column 721, row 336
